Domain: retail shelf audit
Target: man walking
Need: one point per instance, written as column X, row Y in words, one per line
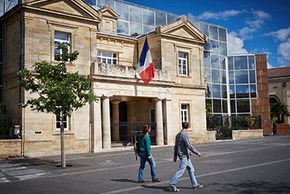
column 182, row 145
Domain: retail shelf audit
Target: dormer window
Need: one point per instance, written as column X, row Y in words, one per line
column 107, row 57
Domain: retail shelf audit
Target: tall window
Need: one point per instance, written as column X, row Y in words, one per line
column 58, row 123
column 182, row 63
column 60, row 37
column 184, row 112
column 107, row 57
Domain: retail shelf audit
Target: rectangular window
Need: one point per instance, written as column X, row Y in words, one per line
column 107, row 57
column 182, row 63
column 184, row 112
column 59, row 38
column 58, row 122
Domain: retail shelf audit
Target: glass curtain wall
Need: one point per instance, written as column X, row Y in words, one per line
column 215, row 66
column 6, row 5
column 135, row 19
column 242, row 80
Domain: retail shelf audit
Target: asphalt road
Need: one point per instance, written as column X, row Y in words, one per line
column 243, row 167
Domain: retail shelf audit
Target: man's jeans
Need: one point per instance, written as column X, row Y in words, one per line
column 143, row 158
column 184, row 163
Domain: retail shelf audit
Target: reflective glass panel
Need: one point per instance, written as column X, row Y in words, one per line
column 251, row 62
column 136, row 14
column 147, row 29
column 230, row 63
column 241, row 62
column 208, row 75
column 216, row 78
column 253, row 91
column 123, row 10
column 171, row 18
column 231, row 77
column 135, row 28
column 160, row 18
column 224, row 91
column 223, row 62
column 206, row 59
column 224, row 77
column 242, row 91
column 123, row 27
column 214, row 46
column 252, row 76
column 233, row 106
column 213, row 32
column 225, row 106
column 223, row 48
column 148, row 17
column 216, row 91
column 209, row 90
column 215, row 61
column 243, row 106
column 204, row 28
column 232, row 91
column 217, row 106
column 241, row 77
column 222, row 34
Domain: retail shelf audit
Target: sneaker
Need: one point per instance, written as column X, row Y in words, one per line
column 173, row 188
column 141, row 181
column 199, row 186
column 156, row 180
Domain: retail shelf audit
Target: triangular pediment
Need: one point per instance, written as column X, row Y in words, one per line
column 109, row 12
column 183, row 29
column 75, row 8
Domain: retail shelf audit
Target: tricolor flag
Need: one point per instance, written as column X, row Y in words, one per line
column 145, row 64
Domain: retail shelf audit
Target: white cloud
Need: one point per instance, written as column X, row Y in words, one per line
column 253, row 25
column 222, row 15
column 281, row 34
column 235, row 44
column 269, row 66
column 284, row 50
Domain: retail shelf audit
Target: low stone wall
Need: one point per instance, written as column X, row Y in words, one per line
column 210, row 136
column 10, row 147
column 245, row 134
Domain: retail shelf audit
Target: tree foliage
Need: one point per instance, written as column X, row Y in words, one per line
column 59, row 92
column 279, row 110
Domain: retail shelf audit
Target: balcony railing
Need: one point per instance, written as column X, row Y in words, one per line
column 124, row 71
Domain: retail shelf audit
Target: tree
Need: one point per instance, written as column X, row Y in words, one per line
column 279, row 110
column 59, row 92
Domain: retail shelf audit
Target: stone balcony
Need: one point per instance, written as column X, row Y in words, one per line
column 123, row 71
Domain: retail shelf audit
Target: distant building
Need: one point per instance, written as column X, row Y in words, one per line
column 279, row 86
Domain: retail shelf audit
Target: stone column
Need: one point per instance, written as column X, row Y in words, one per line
column 159, row 121
column 115, row 132
column 97, row 125
column 168, row 121
column 106, row 123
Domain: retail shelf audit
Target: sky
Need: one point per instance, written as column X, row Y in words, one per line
column 254, row 26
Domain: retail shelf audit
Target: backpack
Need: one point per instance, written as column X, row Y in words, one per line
column 136, row 147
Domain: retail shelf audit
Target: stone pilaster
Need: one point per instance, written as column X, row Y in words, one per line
column 159, row 121
column 106, row 123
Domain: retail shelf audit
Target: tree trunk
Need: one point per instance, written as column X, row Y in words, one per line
column 63, row 161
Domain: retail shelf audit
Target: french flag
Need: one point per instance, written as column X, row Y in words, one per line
column 145, row 64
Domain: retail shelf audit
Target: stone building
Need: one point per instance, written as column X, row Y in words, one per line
column 32, row 29
column 279, row 86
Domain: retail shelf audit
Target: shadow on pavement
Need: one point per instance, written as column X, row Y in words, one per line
column 124, row 180
column 251, row 187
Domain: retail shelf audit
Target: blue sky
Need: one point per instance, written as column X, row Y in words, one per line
column 254, row 26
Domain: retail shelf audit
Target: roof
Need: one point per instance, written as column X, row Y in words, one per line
column 279, row 72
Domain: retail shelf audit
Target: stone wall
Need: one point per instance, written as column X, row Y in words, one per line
column 10, row 148
column 245, row 134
